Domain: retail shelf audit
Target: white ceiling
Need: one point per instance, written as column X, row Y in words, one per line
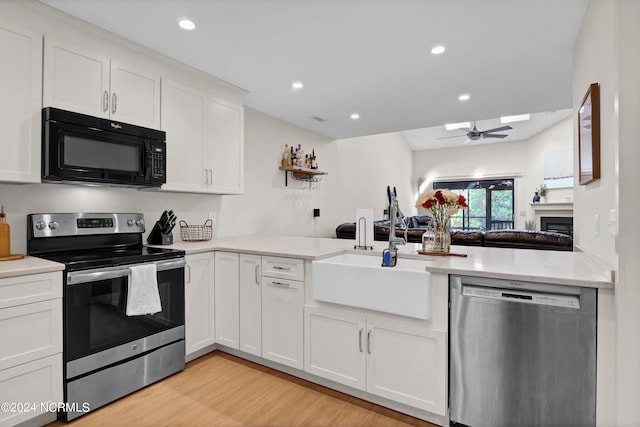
column 367, row 56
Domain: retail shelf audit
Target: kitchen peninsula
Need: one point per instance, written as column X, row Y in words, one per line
column 253, row 297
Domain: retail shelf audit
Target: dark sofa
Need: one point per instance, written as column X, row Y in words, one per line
column 521, row 239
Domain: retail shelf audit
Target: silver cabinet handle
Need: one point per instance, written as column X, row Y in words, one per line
column 105, row 102
column 210, row 176
column 369, row 342
column 257, row 274
column 277, row 267
column 206, row 177
column 360, row 340
column 188, row 273
column 114, row 103
column 280, row 284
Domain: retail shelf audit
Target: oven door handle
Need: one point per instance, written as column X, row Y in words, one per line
column 96, row 275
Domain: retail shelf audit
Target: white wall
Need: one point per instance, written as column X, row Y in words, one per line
column 607, row 52
column 20, row 200
column 359, row 169
column 556, row 138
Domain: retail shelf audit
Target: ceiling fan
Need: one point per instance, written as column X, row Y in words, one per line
column 476, row 134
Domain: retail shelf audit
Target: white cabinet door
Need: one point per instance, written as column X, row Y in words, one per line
column 135, row 96
column 227, row 304
column 199, row 302
column 183, row 118
column 282, row 321
column 33, row 331
column 84, row 81
column 20, row 103
column 407, row 364
column 250, row 304
column 39, row 381
column 335, row 346
column 225, row 147
column 75, row 79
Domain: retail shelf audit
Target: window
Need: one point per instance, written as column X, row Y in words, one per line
column 490, row 204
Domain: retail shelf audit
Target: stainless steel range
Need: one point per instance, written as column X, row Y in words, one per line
column 113, row 345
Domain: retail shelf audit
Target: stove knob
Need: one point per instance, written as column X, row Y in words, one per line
column 130, row 223
column 139, row 222
column 53, row 225
column 41, row 225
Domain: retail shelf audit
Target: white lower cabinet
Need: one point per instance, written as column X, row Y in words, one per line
column 31, row 349
column 36, row 383
column 250, row 304
column 397, row 359
column 227, row 305
column 282, row 321
column 199, row 302
column 335, row 346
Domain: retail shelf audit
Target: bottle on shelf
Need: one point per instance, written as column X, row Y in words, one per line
column 314, row 162
column 286, row 159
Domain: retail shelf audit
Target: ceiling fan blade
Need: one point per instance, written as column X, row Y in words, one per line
column 493, row 135
column 497, row 129
column 454, row 136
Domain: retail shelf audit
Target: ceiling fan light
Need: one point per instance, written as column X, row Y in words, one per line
column 518, row 118
column 461, row 125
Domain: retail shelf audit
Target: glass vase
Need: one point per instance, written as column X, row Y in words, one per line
column 442, row 237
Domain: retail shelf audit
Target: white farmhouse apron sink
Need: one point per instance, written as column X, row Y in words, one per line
column 358, row 280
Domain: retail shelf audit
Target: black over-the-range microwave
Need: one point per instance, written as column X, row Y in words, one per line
column 77, row 148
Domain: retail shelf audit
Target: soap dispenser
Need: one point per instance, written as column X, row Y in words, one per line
column 5, row 238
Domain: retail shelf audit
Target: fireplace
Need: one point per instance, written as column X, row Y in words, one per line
column 557, row 224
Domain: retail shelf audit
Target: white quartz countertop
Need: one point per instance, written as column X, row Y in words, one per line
column 558, row 267
column 28, row 265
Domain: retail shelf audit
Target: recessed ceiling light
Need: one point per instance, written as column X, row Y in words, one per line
column 452, row 126
column 186, row 24
column 355, row 116
column 511, row 119
column 437, row 50
column 297, row 85
column 464, row 97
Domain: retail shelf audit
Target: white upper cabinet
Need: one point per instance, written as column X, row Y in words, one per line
column 225, row 146
column 20, row 103
column 87, row 82
column 205, row 141
column 184, row 121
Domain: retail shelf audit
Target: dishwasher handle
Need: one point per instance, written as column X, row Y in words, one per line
column 522, row 296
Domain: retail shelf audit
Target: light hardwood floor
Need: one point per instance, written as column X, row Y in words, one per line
column 222, row 390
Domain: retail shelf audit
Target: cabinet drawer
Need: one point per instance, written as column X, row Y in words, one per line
column 31, row 288
column 285, row 268
column 35, row 382
column 30, row 332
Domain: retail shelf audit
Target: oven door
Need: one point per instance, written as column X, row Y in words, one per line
column 97, row 329
column 85, row 154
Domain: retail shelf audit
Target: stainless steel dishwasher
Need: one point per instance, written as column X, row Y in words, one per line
column 521, row 354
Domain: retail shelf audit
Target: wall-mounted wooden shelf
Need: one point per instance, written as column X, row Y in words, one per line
column 301, row 174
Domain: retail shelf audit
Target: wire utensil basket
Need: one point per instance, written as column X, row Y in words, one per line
column 196, row 233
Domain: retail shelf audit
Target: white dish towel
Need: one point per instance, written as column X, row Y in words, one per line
column 143, row 296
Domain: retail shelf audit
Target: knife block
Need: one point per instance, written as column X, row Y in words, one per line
column 157, row 237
